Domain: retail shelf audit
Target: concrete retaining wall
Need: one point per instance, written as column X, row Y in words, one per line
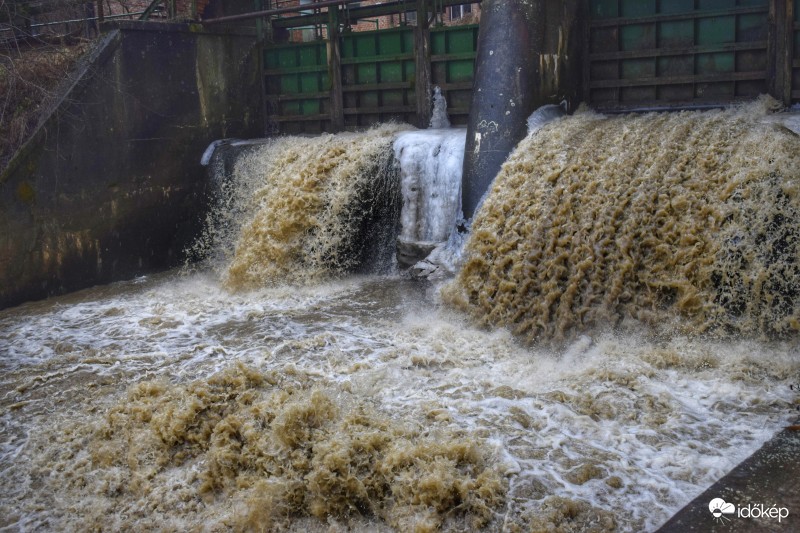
column 110, row 186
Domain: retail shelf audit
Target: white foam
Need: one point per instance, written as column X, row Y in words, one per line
column 544, row 115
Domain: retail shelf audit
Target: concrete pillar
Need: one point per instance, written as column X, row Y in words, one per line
column 527, row 57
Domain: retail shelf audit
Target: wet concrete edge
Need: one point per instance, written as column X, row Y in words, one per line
column 770, row 477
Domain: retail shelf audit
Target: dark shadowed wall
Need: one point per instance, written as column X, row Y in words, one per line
column 110, row 186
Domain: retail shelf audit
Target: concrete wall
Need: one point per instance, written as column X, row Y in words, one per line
column 110, row 185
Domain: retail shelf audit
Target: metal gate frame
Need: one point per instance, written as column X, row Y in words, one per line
column 357, row 79
column 690, row 53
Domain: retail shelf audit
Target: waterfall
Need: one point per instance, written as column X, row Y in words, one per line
column 315, row 400
column 430, row 163
column 692, row 229
column 302, row 210
column 684, row 220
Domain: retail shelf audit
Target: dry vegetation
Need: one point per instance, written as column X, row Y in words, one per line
column 28, row 79
column 35, row 58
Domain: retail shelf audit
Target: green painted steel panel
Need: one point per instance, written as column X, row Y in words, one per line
column 675, row 34
column 310, row 56
column 438, row 42
column 715, row 63
column 374, row 58
column 310, row 107
column 290, row 108
column 604, row 40
column 310, row 83
column 715, row 30
column 750, row 28
column 675, row 65
column 389, row 72
column 637, row 8
column 391, row 44
column 286, row 58
column 638, row 36
column 715, row 4
column 368, row 99
column 409, row 69
column 676, row 6
column 603, row 9
column 666, row 50
column 289, row 85
column 454, row 40
column 638, row 68
column 366, row 73
column 364, row 45
column 715, row 90
column 460, row 71
column 393, row 98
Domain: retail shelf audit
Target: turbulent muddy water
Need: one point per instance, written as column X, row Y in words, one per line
column 226, row 398
column 171, row 403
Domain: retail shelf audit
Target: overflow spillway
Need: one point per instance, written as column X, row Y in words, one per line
column 687, row 220
column 695, row 228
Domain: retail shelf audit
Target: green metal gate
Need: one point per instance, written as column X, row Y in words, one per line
column 378, row 76
column 453, row 67
column 645, row 53
column 297, row 83
column 378, row 73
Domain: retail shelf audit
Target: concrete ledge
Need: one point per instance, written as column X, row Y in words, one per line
column 770, row 477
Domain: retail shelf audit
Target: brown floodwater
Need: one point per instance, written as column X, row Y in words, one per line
column 171, row 403
column 629, row 337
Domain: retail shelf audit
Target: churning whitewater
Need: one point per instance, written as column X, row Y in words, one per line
column 273, row 389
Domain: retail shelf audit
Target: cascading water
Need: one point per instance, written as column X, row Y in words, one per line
column 439, row 118
column 660, row 217
column 305, row 209
column 318, row 401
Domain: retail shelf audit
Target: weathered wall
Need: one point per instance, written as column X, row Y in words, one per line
column 110, row 186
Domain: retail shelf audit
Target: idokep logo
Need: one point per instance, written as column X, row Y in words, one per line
column 720, row 508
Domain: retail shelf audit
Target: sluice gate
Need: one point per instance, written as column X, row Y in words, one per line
column 626, row 54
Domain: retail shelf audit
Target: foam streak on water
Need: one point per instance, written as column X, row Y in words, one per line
column 613, row 432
